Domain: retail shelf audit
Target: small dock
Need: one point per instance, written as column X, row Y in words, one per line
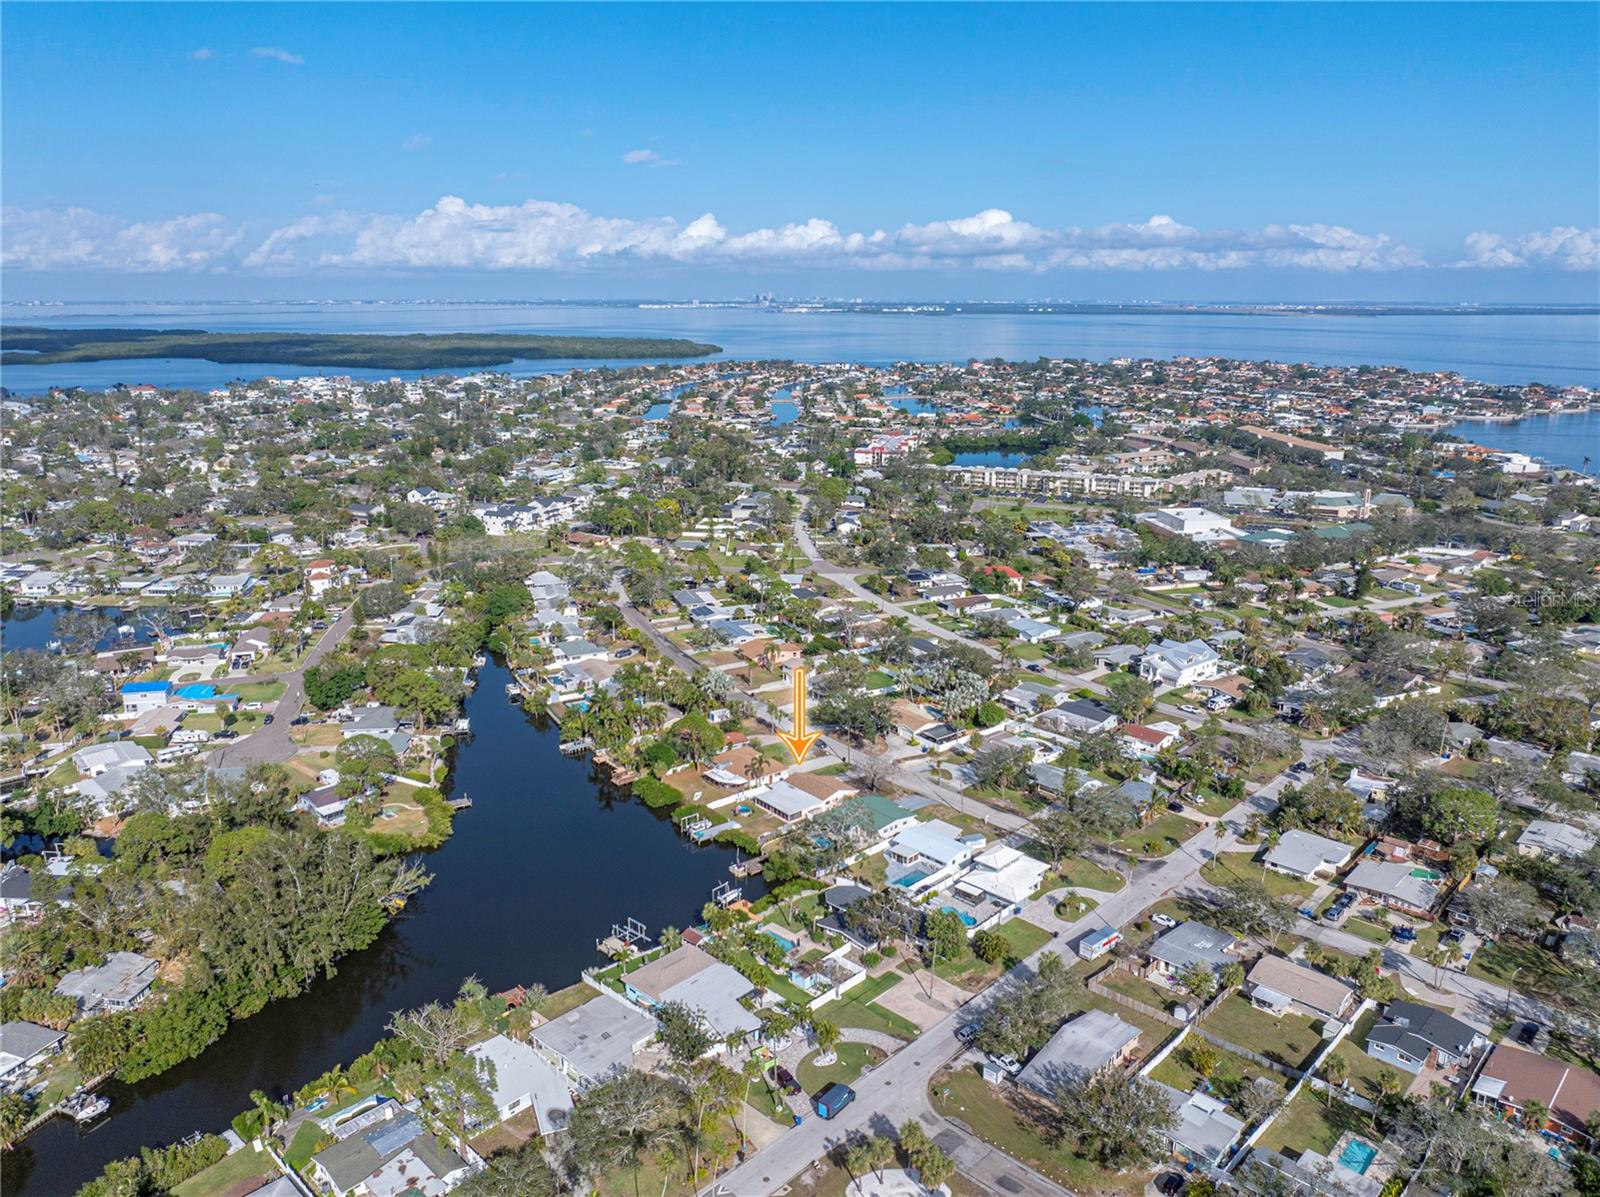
column 461, row 803
column 576, row 747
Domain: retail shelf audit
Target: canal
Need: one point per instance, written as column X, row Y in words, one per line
column 547, row 858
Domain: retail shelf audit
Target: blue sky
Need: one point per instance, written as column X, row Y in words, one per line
column 1118, row 151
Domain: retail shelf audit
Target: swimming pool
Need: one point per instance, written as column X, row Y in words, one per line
column 1358, row 1156
column 911, row 878
column 788, row 945
column 960, row 914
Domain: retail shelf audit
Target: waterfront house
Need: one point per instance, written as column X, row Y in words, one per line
column 1511, row 1078
column 388, row 1154
column 326, row 804
column 379, row 721
column 711, row 989
column 788, row 803
column 139, row 697
column 523, row 1080
column 119, row 983
column 594, row 1040
column 16, row 892
column 102, row 758
column 1186, row 945
column 1414, row 1037
column 1279, row 985
column 745, row 768
column 925, row 855
column 1307, row 856
column 24, row 1048
column 1082, row 1048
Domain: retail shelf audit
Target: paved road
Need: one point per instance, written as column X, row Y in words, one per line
column 271, row 744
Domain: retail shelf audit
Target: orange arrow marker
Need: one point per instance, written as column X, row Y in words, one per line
column 800, row 740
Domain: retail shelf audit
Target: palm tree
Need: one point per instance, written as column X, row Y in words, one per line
column 1337, row 1071
column 1535, row 1114
column 271, row 1112
column 827, row 1036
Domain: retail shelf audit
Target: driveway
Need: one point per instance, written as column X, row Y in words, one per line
column 271, row 744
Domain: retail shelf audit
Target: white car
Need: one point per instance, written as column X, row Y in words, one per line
column 1163, row 920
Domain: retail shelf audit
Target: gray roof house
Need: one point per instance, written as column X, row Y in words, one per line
column 1308, row 856
column 1204, row 1130
column 1188, row 944
column 1077, row 717
column 117, row 984
column 1080, row 1048
column 523, row 1079
column 24, row 1046
column 594, row 1040
column 1411, row 1036
column 391, row 1156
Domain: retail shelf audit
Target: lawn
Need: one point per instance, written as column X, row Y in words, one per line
column 1366, row 929
column 304, row 1145
column 1141, row 990
column 991, row 1114
column 1230, row 865
column 1531, row 967
column 972, row 973
column 238, row 1173
column 1166, row 832
column 1363, row 1069
column 255, row 691
column 1310, row 1122
column 1085, row 874
column 1232, row 1074
column 1288, row 1040
column 563, row 1000
column 854, row 1059
column 858, row 1009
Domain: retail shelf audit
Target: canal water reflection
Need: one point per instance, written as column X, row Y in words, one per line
column 547, row 858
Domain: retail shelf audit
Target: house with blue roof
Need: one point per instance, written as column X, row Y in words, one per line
column 139, row 697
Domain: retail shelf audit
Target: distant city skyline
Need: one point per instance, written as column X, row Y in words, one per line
column 1229, row 153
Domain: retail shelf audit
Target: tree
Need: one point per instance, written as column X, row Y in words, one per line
column 1460, row 813
column 1199, row 980
column 1336, row 1070
column 1246, row 907
column 946, row 935
column 15, row 1112
column 1115, row 1119
column 268, row 1112
column 622, row 1121
column 1129, row 696
column 1201, row 1056
column 934, row 1167
column 682, row 1032
column 523, row 1172
column 990, row 947
column 1059, row 832
column 1502, row 906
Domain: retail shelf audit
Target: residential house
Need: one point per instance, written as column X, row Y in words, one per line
column 1511, row 1078
column 1399, row 885
column 1413, row 1037
column 1179, row 663
column 523, row 1080
column 1307, row 856
column 1544, row 837
column 119, row 983
column 139, row 697
column 24, row 1048
column 1077, row 717
column 925, row 855
column 1281, row 985
column 1082, row 1048
column 711, row 989
column 1190, row 943
column 594, row 1040
column 389, row 1154
column 1204, row 1131
column 1144, row 742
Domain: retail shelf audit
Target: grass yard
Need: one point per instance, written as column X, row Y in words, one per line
column 1288, row 1040
column 1231, row 1076
column 1160, row 837
column 1013, row 1121
column 1141, row 990
column 858, row 1008
column 971, row 973
column 1531, row 967
column 1085, row 874
column 1309, row 1122
column 1230, row 865
column 1075, row 906
column 1366, row 929
column 1364, row 1071
column 563, row 1000
column 231, row 1176
column 256, row 691
column 854, row 1059
column 304, row 1145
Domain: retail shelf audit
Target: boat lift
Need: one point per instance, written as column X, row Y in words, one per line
column 624, row 939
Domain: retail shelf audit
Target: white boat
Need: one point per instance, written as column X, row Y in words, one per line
column 513, row 690
column 83, row 1106
column 125, row 630
column 463, row 726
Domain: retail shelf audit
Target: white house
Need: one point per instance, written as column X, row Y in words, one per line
column 1308, row 856
column 1179, row 663
column 523, row 1079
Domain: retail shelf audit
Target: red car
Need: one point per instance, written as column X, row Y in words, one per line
column 786, row 1081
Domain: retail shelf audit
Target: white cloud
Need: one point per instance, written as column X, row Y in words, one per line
column 454, row 234
column 417, row 141
column 81, row 239
column 647, row 158
column 203, row 53
column 277, row 53
column 1564, row 247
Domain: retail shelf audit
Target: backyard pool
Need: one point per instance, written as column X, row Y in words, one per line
column 911, row 878
column 960, row 914
column 788, row 945
column 1358, row 1155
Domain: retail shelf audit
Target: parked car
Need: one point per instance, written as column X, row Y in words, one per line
column 1189, row 708
column 1163, row 920
column 1404, row 934
column 1175, row 805
column 1527, row 1033
column 1010, row 1065
column 786, row 1081
column 833, row 1099
column 1170, row 1185
column 968, row 1032
column 1299, row 767
column 266, row 719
